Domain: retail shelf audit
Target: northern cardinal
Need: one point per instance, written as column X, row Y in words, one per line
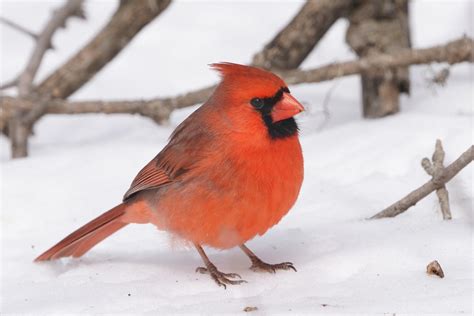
column 230, row 171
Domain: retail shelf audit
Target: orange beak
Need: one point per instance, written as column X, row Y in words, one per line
column 287, row 107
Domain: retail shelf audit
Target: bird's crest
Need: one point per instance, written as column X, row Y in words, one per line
column 242, row 73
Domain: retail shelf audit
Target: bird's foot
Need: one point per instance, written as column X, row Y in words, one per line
column 260, row 266
column 221, row 278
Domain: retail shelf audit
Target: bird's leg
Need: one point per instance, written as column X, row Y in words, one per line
column 221, row 278
column 260, row 266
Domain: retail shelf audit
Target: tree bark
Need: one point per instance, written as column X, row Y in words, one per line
column 294, row 42
column 381, row 27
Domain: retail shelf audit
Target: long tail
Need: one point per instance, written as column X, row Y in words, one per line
column 86, row 237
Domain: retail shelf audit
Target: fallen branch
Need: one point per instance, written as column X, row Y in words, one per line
column 440, row 177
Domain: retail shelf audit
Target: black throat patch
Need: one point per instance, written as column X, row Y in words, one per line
column 280, row 129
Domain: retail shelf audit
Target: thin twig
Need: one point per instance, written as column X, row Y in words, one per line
column 437, row 182
column 326, row 113
column 18, row 28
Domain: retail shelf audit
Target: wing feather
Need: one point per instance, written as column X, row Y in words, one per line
column 189, row 144
column 150, row 177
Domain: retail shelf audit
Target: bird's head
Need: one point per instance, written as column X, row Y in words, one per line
column 258, row 94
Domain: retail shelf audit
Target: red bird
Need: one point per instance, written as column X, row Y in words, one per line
column 230, row 171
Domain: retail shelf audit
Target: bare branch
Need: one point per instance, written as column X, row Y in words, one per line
column 9, row 84
column 437, row 182
column 127, row 21
column 58, row 20
column 295, row 41
column 158, row 109
column 18, row 27
column 457, row 51
column 440, row 53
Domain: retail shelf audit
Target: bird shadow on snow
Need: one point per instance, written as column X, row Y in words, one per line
column 274, row 247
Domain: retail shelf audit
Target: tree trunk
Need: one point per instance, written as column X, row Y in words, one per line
column 18, row 133
column 381, row 26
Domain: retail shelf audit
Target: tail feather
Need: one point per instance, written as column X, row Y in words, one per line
column 82, row 240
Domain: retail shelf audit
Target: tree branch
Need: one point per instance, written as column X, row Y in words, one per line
column 158, row 109
column 9, row 84
column 295, row 41
column 18, row 27
column 453, row 52
column 440, row 178
column 457, row 51
column 127, row 21
column 43, row 42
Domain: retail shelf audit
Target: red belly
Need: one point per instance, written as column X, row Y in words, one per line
column 234, row 202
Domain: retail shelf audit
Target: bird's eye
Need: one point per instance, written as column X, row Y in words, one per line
column 257, row 103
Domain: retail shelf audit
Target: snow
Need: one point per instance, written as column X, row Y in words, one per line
column 81, row 165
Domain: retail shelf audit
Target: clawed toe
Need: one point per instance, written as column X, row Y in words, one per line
column 260, row 266
column 221, row 278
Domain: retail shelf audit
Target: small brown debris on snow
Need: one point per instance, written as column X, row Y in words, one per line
column 250, row 309
column 435, row 268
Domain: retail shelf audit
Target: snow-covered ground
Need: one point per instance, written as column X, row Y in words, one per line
column 81, row 165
